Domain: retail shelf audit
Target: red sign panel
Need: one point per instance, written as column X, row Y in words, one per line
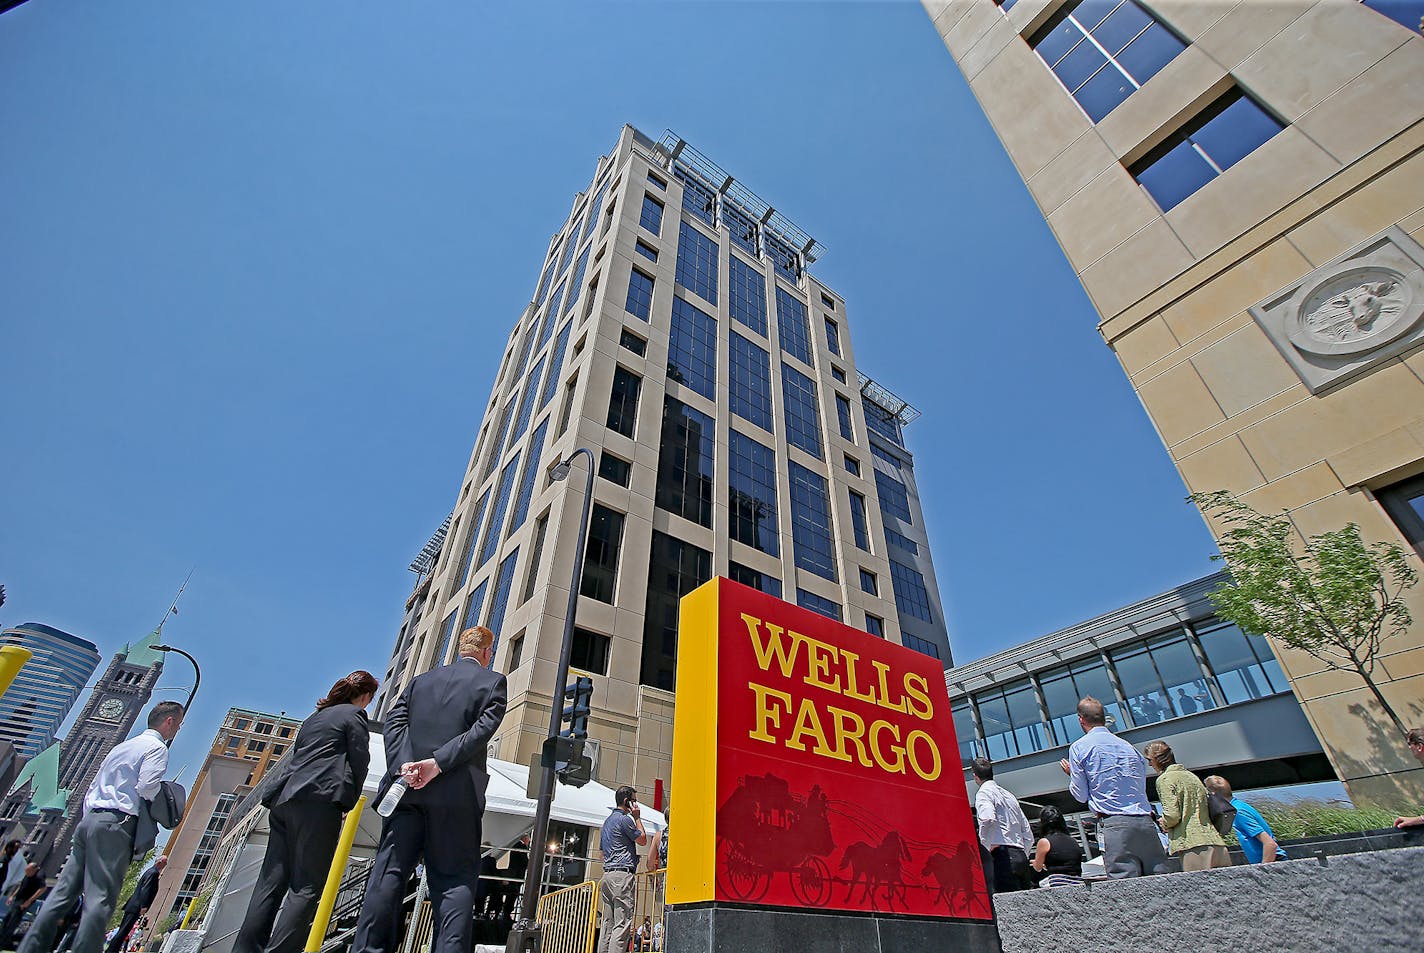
column 837, row 776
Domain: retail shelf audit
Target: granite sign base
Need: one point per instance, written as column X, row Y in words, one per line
column 726, row 928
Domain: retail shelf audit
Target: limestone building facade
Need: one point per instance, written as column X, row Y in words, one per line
column 676, row 333
column 1239, row 187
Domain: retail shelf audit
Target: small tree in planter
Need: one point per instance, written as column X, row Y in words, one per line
column 1335, row 598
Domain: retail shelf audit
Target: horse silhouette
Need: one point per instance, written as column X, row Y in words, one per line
column 945, row 870
column 877, row 868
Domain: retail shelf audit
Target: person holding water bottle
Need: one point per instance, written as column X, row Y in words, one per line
column 318, row 781
column 433, row 797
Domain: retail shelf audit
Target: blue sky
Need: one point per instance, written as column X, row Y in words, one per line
column 258, row 262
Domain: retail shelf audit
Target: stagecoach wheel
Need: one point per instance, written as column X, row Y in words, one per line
column 811, row 882
column 743, row 878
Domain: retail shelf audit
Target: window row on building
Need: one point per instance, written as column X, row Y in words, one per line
column 1102, row 51
column 1173, row 674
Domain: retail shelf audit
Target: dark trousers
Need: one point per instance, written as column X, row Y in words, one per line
column 1011, row 869
column 13, row 916
column 126, row 926
column 300, row 846
column 449, row 840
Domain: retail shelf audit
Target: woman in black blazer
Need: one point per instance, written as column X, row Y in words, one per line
column 318, row 781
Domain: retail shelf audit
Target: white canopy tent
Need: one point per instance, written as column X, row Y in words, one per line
column 508, row 815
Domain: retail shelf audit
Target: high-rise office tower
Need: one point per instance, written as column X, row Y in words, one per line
column 115, row 704
column 40, row 698
column 675, row 332
column 1240, row 188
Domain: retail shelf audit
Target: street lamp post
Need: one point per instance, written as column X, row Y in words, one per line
column 197, row 674
column 526, row 936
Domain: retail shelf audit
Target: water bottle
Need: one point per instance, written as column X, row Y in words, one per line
column 387, row 807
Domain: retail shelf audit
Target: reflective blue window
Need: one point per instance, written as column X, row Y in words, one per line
column 1223, row 134
column 692, row 348
column 640, row 295
column 838, row 375
column 747, row 288
column 750, row 396
column 844, row 417
column 570, row 246
column 657, row 181
column 883, row 455
column 623, row 402
column 803, row 419
column 1102, row 50
column 697, row 263
column 501, row 501
column 544, row 277
column 793, row 327
column 1407, row 13
column 632, row 342
column 556, row 356
column 697, row 198
column 526, row 404
column 752, row 494
column 747, row 576
column 600, row 560
column 447, row 637
column 531, row 475
column 504, row 580
column 859, row 524
column 646, row 250
column 911, row 596
column 472, row 539
column 852, row 465
column 894, row 497
column 545, row 327
column 497, row 448
column 577, row 288
column 556, row 302
column 833, row 337
column 741, row 227
column 593, row 212
column 881, row 421
column 819, row 604
column 473, row 606
column 868, row 582
column 783, row 257
column 901, row 541
column 811, row 522
column 651, row 217
column 1245, row 666
column 675, row 568
column 685, row 462
column 875, row 625
column 1006, row 5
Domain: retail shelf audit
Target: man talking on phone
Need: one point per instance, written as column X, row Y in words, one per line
column 619, row 840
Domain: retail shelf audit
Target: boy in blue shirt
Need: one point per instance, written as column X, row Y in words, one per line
column 1258, row 841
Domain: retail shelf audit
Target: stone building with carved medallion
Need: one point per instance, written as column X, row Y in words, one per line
column 1239, row 187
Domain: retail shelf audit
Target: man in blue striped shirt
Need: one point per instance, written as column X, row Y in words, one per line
column 1108, row 775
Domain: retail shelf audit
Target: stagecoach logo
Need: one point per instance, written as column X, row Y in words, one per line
column 1351, row 313
column 815, row 762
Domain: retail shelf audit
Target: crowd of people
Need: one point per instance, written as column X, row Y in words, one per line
column 1109, row 775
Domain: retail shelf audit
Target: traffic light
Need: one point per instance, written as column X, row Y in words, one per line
column 578, row 703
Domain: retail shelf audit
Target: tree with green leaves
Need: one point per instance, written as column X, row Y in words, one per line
column 1334, row 596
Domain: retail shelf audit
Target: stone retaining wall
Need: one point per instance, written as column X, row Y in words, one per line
column 1365, row 902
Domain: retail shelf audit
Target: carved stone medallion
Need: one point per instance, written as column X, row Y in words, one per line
column 1351, row 313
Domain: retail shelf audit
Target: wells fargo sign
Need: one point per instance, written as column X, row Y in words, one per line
column 814, row 766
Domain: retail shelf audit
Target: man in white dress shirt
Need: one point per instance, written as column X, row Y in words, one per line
column 1003, row 830
column 104, row 839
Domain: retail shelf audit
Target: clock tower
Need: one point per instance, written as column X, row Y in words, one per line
column 116, row 704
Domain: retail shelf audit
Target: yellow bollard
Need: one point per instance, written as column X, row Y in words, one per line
column 188, row 913
column 12, row 659
column 333, row 879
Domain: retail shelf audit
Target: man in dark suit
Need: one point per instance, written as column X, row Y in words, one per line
column 436, row 736
column 138, row 903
